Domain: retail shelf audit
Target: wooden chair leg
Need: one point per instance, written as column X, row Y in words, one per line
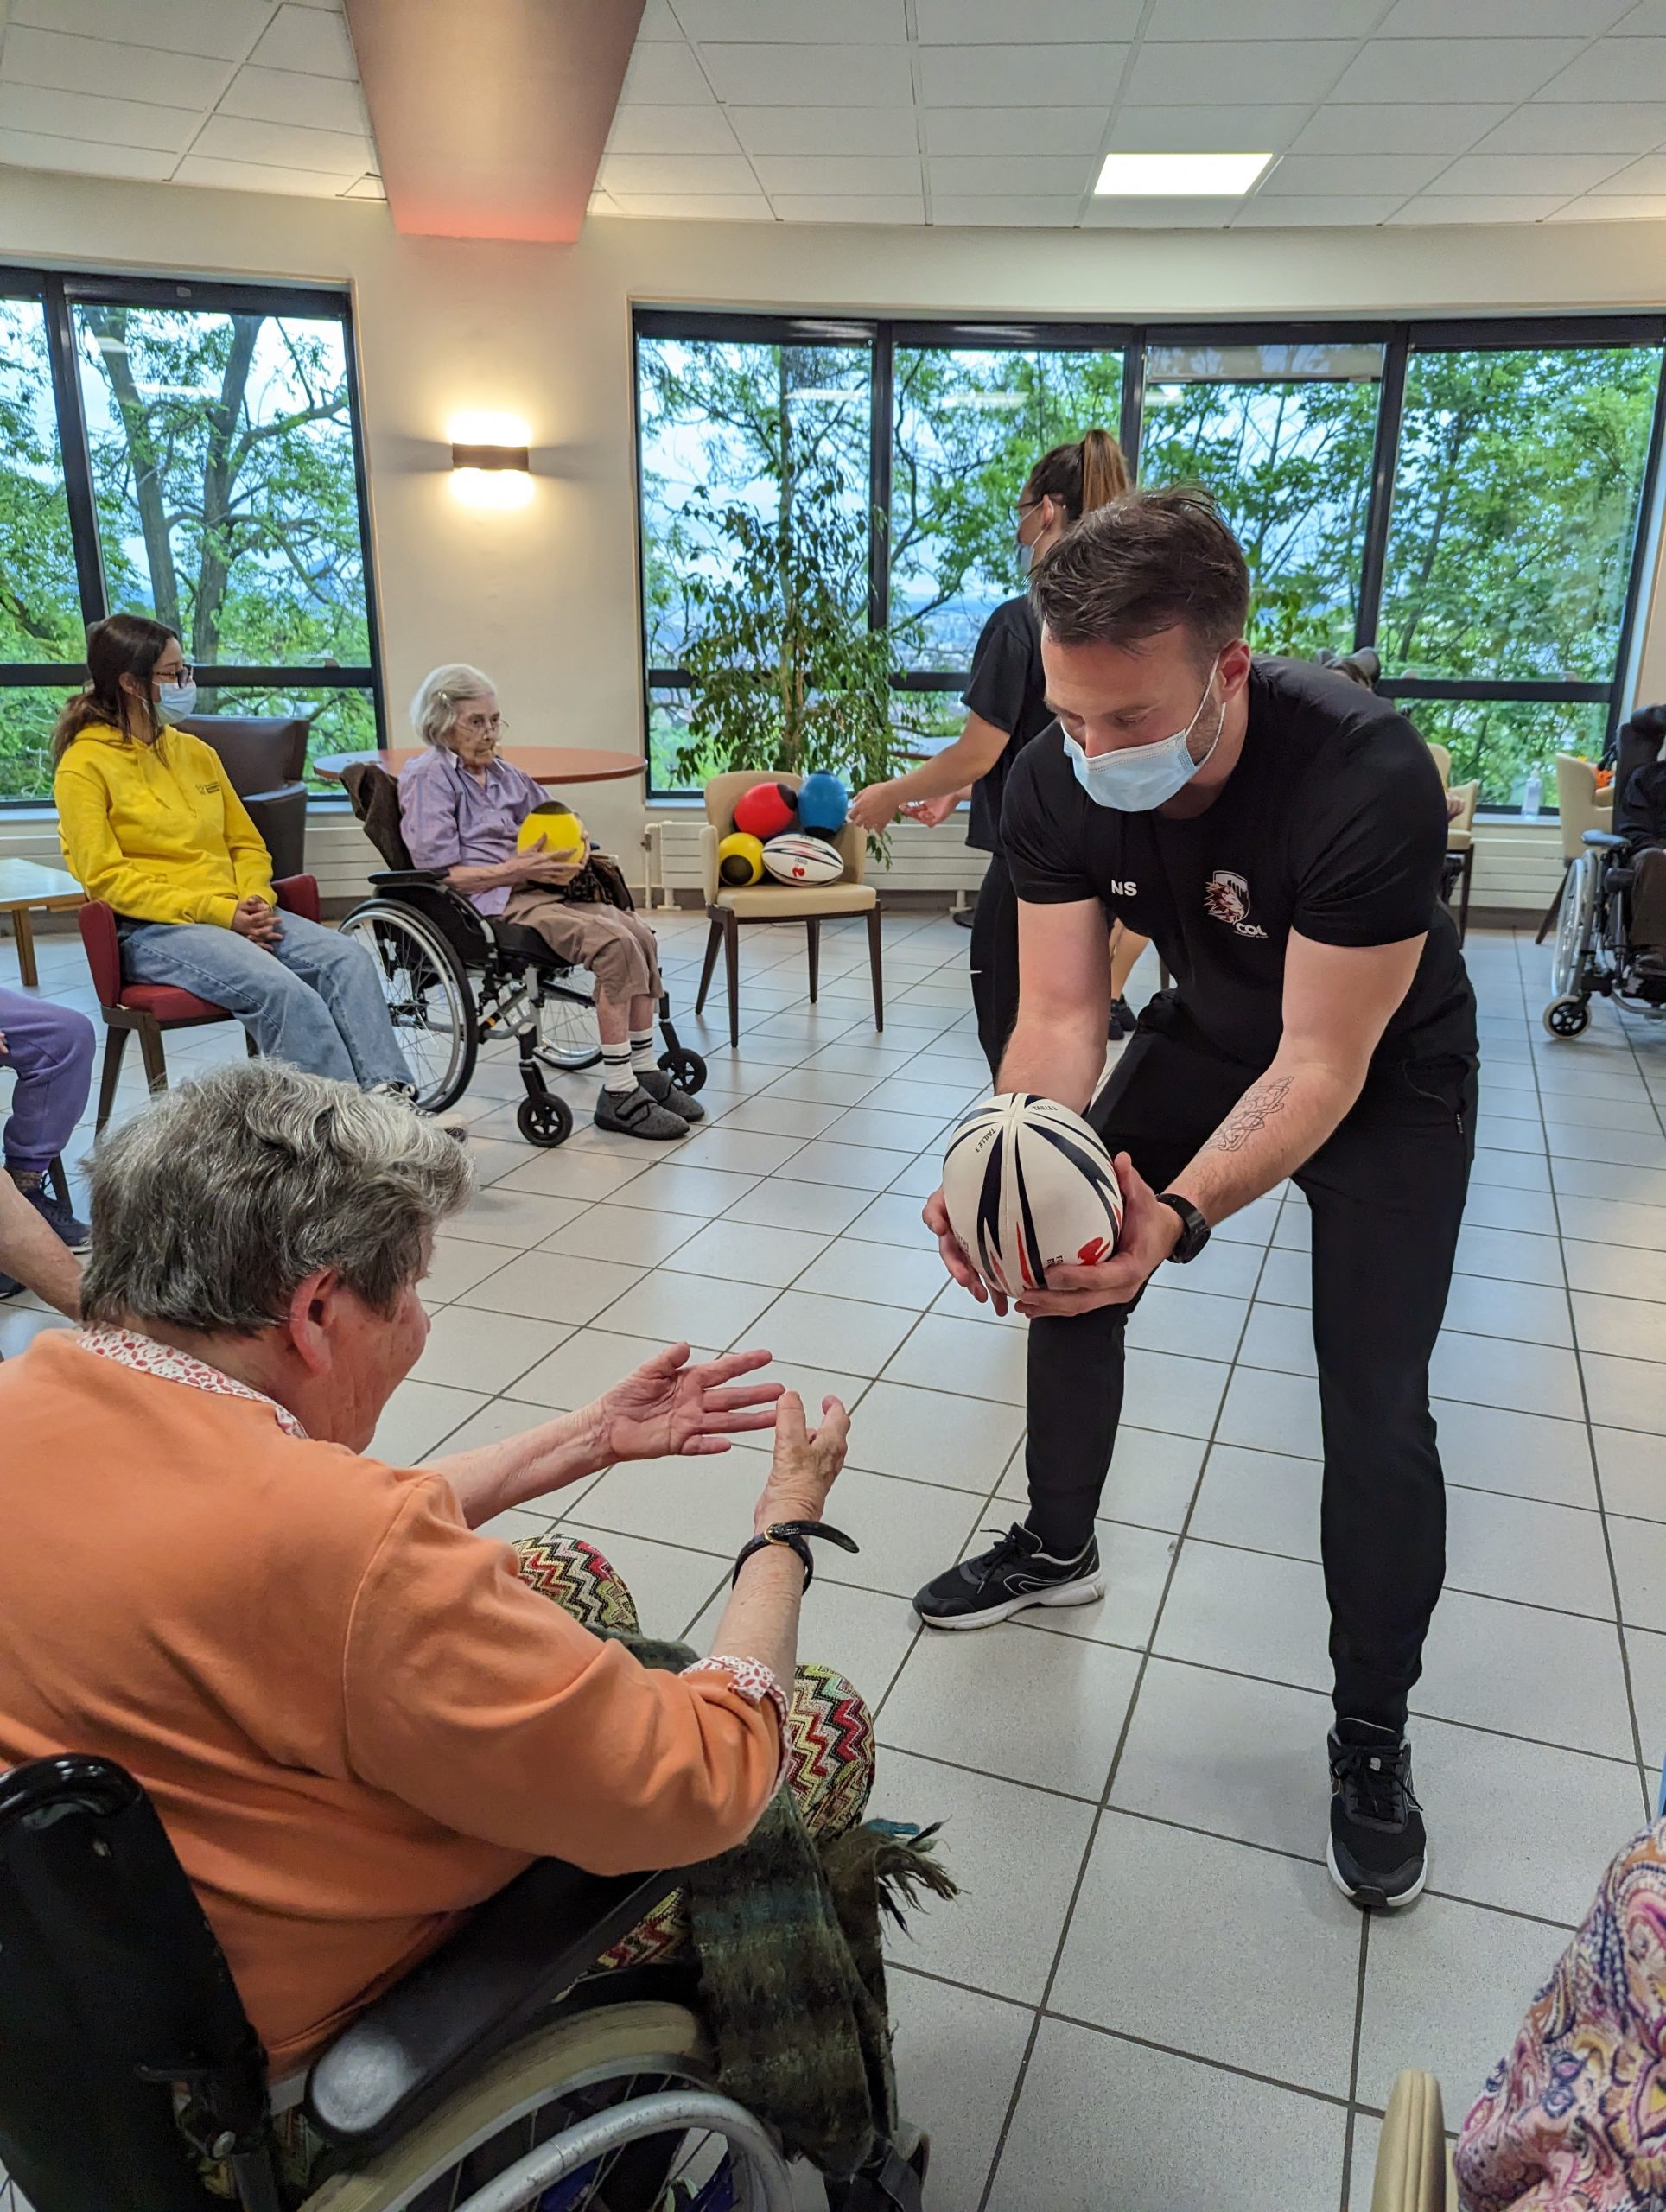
column 156, row 1061
column 23, row 929
column 874, row 964
column 813, row 948
column 714, row 938
column 115, row 1045
column 732, row 968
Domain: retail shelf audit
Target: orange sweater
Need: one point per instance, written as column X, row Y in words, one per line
column 354, row 1720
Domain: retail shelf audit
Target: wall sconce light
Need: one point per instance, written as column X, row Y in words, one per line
column 490, row 462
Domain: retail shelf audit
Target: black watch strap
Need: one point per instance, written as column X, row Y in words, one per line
column 1194, row 1229
column 793, row 1534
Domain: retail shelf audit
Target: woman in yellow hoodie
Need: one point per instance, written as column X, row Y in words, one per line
column 149, row 823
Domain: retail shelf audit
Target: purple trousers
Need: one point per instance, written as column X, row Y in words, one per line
column 49, row 1049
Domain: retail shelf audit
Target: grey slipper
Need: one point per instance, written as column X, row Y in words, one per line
column 659, row 1087
column 633, row 1114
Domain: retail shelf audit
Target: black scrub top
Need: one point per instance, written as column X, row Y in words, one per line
column 1008, row 689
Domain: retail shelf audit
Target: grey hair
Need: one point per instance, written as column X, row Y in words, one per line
column 215, row 1203
column 439, row 694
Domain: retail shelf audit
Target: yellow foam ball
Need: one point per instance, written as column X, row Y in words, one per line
column 740, row 859
column 561, row 829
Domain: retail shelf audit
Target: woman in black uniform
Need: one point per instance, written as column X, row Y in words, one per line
column 1007, row 703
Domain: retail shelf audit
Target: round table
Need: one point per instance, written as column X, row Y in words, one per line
column 546, row 764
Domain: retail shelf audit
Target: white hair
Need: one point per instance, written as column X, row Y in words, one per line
column 440, row 693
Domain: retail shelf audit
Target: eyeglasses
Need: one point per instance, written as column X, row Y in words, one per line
column 1023, row 508
column 180, row 672
column 481, row 725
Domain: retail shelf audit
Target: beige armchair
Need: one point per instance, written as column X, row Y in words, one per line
column 810, row 904
column 1460, row 836
column 1413, row 2164
column 1582, row 807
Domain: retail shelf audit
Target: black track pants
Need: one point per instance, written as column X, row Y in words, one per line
column 995, row 960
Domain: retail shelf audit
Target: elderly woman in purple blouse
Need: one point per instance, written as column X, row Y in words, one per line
column 460, row 808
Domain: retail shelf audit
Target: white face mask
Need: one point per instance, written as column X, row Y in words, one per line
column 1142, row 777
column 174, row 700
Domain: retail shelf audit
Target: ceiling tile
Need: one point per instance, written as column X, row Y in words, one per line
column 825, row 130
column 1206, row 129
column 1500, row 18
column 1336, row 211
column 100, row 65
column 309, row 39
column 1576, row 127
column 256, row 177
column 695, row 207
column 1455, row 210
column 1641, row 208
column 1500, row 175
column 82, row 115
column 285, row 145
column 809, row 23
column 1613, row 69
column 658, row 24
column 86, row 156
column 224, row 29
column 670, row 130
column 853, row 207
column 884, row 176
column 1395, row 130
column 1451, row 69
column 1159, row 214
column 1231, row 19
column 1269, row 72
column 628, row 174
column 1013, row 130
column 1308, row 176
column 1042, row 176
column 665, row 76
column 828, row 76
column 1019, row 76
column 287, row 96
column 1637, row 177
column 1646, row 20
column 1035, row 23
column 1025, row 212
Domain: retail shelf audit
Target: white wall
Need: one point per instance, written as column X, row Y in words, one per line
column 545, row 598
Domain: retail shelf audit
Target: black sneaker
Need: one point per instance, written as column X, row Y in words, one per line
column 996, row 1584
column 633, row 1114
column 58, row 1218
column 1123, row 1020
column 10, row 1286
column 663, row 1092
column 1378, row 1852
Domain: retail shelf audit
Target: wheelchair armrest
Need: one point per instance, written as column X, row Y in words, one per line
column 1603, row 841
column 477, row 1992
column 403, row 879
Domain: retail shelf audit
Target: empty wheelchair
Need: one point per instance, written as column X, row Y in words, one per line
column 453, row 977
column 1594, row 955
column 493, row 2078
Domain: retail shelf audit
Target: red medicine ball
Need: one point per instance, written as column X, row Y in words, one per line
column 766, row 810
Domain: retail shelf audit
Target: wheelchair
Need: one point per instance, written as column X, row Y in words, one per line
column 1593, row 954
column 493, row 2078
column 454, row 977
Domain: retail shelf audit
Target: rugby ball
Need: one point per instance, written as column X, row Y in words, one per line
column 800, row 858
column 1029, row 1186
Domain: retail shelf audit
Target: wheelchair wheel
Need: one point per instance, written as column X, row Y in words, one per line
column 428, row 996
column 685, row 1068
column 1576, row 933
column 590, row 2067
column 1567, row 1017
column 567, row 1031
column 546, row 1121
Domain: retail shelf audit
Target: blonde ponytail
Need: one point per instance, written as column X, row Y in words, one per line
column 1080, row 477
column 1104, row 471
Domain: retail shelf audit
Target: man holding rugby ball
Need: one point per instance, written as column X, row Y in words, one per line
column 1278, row 833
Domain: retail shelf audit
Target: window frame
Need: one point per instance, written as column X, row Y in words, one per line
column 59, row 292
column 1399, row 337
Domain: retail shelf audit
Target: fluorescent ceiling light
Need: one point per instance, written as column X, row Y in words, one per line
column 1176, row 177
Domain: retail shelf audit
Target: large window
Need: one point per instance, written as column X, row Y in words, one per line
column 1466, row 497
column 189, row 452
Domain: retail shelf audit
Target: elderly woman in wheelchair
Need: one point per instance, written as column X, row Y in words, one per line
column 460, row 807
column 361, row 1720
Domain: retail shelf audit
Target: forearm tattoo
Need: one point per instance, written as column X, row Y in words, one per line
column 1252, row 1115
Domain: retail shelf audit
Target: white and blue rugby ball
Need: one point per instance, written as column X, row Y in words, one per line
column 1029, row 1187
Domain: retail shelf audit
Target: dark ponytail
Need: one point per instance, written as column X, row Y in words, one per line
column 1080, row 477
column 122, row 645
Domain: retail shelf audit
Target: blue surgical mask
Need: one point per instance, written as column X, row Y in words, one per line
column 174, row 700
column 1142, row 777
column 1026, row 558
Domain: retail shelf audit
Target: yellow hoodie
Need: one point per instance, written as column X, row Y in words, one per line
column 156, row 829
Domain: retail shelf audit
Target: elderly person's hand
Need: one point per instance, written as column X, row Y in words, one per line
column 538, row 864
column 667, row 1409
column 806, row 1463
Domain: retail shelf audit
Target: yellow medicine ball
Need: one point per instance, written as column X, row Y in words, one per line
column 562, row 832
column 740, row 860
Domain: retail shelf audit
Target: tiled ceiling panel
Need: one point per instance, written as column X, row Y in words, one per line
column 253, row 95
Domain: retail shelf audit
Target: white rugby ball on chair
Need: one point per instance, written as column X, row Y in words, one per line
column 796, row 857
column 1029, row 1186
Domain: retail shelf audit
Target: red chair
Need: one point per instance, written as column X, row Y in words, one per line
column 151, row 1009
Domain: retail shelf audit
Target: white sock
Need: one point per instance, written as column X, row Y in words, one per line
column 618, row 1075
column 642, row 1051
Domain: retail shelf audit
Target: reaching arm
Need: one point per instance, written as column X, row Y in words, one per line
column 973, row 753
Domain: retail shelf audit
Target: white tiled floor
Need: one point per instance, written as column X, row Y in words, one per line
column 1148, row 1996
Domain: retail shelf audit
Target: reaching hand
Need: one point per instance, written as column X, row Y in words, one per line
column 807, row 1464
column 1149, row 1233
column 665, row 1408
column 874, row 809
column 538, row 864
column 933, row 812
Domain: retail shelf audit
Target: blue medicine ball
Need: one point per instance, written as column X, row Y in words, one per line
column 823, row 804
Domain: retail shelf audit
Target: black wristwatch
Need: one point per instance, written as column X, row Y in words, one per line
column 1194, row 1229
column 793, row 1534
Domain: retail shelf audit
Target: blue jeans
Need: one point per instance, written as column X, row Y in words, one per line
column 314, row 1001
column 50, row 1048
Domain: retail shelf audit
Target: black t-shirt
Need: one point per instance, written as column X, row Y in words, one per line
column 1331, row 823
column 1009, row 689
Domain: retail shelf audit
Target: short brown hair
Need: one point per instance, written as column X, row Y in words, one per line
column 1152, row 562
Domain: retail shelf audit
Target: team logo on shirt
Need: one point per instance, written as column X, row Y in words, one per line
column 1226, row 899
